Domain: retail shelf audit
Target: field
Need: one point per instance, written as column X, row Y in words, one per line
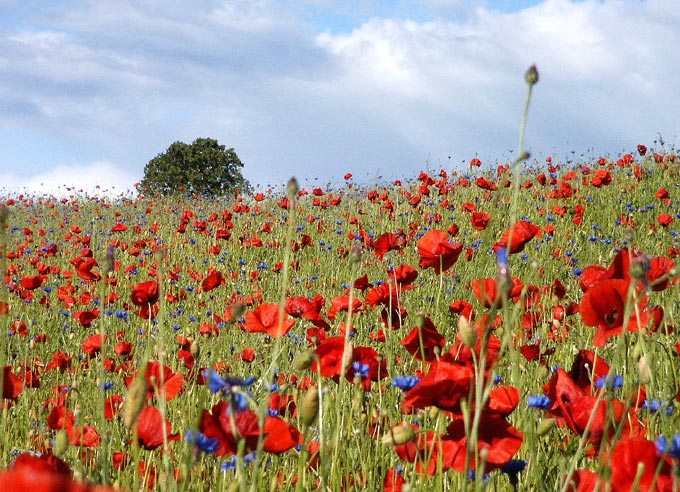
column 494, row 328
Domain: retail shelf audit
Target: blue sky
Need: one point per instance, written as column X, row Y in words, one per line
column 316, row 88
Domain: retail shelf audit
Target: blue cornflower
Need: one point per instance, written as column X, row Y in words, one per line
column 201, row 441
column 662, row 446
column 217, row 383
column 615, row 381
column 539, row 401
column 361, row 369
column 514, row 466
column 405, row 383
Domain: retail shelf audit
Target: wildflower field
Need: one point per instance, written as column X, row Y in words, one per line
column 507, row 327
column 486, row 329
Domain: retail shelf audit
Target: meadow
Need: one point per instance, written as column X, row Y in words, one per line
column 503, row 327
column 506, row 327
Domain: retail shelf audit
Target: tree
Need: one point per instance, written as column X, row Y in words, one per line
column 204, row 167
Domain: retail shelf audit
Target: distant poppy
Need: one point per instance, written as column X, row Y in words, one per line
column 437, row 252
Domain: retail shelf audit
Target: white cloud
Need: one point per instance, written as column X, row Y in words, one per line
column 119, row 82
column 95, row 179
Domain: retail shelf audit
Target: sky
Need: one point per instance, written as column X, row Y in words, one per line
column 382, row 89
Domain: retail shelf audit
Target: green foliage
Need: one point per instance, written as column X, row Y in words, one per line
column 203, row 167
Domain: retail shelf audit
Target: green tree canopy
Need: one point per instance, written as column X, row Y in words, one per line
column 203, row 167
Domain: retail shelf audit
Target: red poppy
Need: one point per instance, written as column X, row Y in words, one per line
column 387, row 241
column 424, row 343
column 487, row 292
column 230, row 427
column 13, row 386
column 664, row 220
column 604, row 306
column 330, row 353
column 23, row 479
column 266, row 318
column 341, row 303
column 45, row 463
column 444, row 386
column 437, row 252
column 496, row 438
column 84, row 268
column 404, row 275
column 211, row 281
column 155, row 376
column 93, row 344
column 150, row 428
column 33, row 282
column 145, row 293
column 522, row 233
column 635, row 462
column 384, row 294
column 480, row 220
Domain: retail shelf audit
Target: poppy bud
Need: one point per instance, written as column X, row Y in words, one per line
column 195, row 349
column 639, row 267
column 134, row 401
column 545, row 426
column 355, row 255
column 4, row 214
column 60, row 444
column 309, row 407
column 399, row 434
column 531, row 75
column 292, row 188
column 644, row 370
column 303, row 361
column 468, row 333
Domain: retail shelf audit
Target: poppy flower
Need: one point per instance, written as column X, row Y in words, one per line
column 424, row 343
column 604, row 306
column 145, row 293
column 84, row 268
column 45, row 463
column 480, row 220
column 437, row 252
column 522, row 232
column 150, row 428
column 12, row 386
column 156, row 375
column 229, row 427
column 496, row 437
column 387, row 241
column 341, row 303
column 23, row 479
column 664, row 220
column 266, row 318
column 488, row 293
column 211, row 281
column 444, row 386
column 32, row 282
column 636, row 462
column 93, row 344
column 404, row 275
